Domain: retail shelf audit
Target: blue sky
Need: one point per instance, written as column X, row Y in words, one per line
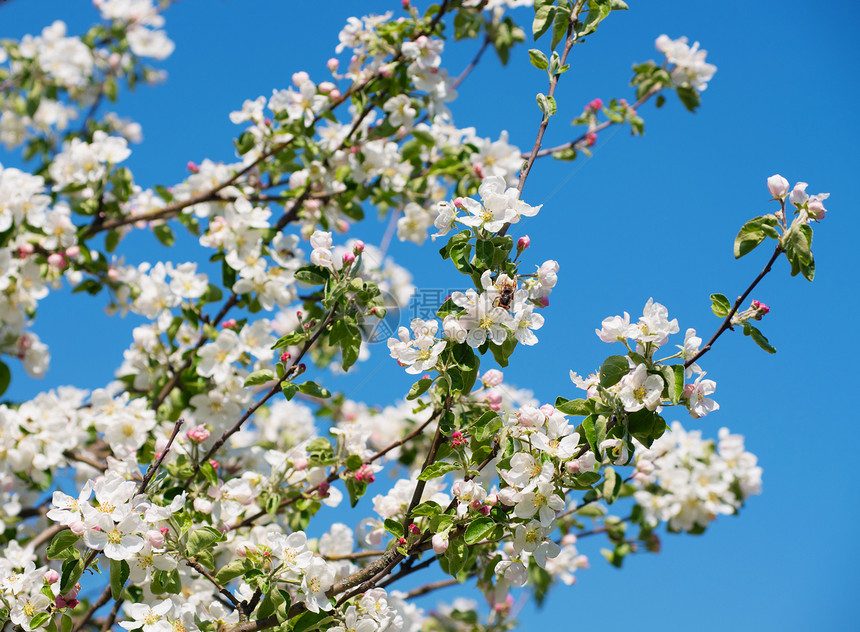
column 651, row 216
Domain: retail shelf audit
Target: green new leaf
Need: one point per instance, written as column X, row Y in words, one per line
column 259, row 377
column 611, row 485
column 39, row 620
column 66, row 623
column 598, row 10
column 689, row 97
column 720, row 305
column 314, row 390
column 546, row 104
column 73, row 568
column 119, row 571
column 202, row 539
column 164, row 234
column 544, row 17
column 233, row 570
column 209, row 473
column 289, row 389
column 311, row 621
column 538, row 59
column 560, row 25
column 577, row 407
column 613, row 369
column 394, row 527
column 437, row 469
column 427, row 508
column 355, row 489
column 419, row 388
column 618, row 5
column 758, row 337
column 753, row 233
column 478, row 529
column 312, row 275
column 797, row 243
column 60, row 544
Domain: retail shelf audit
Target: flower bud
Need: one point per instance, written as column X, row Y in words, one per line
column 332, row 64
column 198, row 434
column 230, row 323
column 155, row 538
column 285, row 357
column 72, row 252
column 334, row 95
column 326, row 86
column 798, row 195
column 523, row 243
column 595, row 105
column 414, row 529
column 51, row 576
column 357, row 247
column 548, row 410
column 77, row 527
column 300, row 77
column 440, row 543
column 590, row 139
column 492, row 378
column 56, row 260
column 192, row 167
column 778, row 186
column 348, row 258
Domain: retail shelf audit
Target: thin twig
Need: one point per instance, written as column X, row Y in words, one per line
column 154, row 467
column 98, row 603
column 203, row 571
column 426, row 588
column 727, row 321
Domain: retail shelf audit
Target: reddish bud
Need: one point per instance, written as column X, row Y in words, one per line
column 590, row 139
column 51, row 576
column 230, row 323
column 357, row 247
column 198, row 434
column 285, row 357
column 595, row 105
column 523, row 242
column 414, row 530
column 192, row 167
column 348, row 258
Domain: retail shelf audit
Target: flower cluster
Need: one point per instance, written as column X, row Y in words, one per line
column 688, row 62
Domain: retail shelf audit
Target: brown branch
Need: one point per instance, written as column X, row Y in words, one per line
column 202, row 570
column 468, row 69
column 154, row 467
column 428, row 461
column 352, row 556
column 111, row 618
column 553, row 82
column 46, row 535
column 81, row 458
column 426, row 588
column 592, row 130
column 727, row 321
column 98, row 603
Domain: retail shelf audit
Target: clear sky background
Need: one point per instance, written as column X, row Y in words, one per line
column 652, row 216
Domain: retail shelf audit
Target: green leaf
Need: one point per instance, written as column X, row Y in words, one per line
column 560, row 25
column 164, row 234
column 60, row 544
column 39, row 620
column 259, row 377
column 394, row 527
column 437, row 469
column 314, row 390
column 720, row 305
column 611, row 485
column 478, row 529
column 797, row 243
column 546, row 104
column 355, row 489
column 233, row 570
column 73, row 568
column 289, row 389
column 673, row 376
column 758, row 337
column 689, row 97
column 576, row 407
column 311, row 621
column 312, row 275
column 753, row 233
column 119, row 571
column 66, row 623
column 209, row 473
column 419, row 388
column 597, row 12
column 201, row 539
column 544, row 17
column 613, row 369
column 618, row 5
column 538, row 59
column 502, row 352
column 427, row 508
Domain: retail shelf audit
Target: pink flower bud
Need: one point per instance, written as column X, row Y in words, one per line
column 342, row 225
column 215, row 464
column 230, row 323
column 73, row 603
column 543, row 301
column 548, row 410
column 778, row 186
column 479, row 171
column 155, row 538
column 590, row 139
column 73, row 593
column 572, row 467
column 491, row 500
column 484, row 509
column 198, row 434
column 568, row 539
column 300, row 463
column 492, row 378
column 298, row 313
column 59, row 602
column 495, row 401
column 77, row 527
column 56, row 260
column 458, row 202
column 51, row 576
column 523, row 242
column 414, row 530
column 302, row 367
column 164, row 530
column 323, row 488
column 401, row 541
column 192, row 167
column 595, row 105
column 440, row 543
column 72, row 252
column 332, row 64
column 113, row 275
column 357, row 247
column 404, row 4
column 507, row 496
column 299, row 78
column 348, row 258
column 25, row 250
column 334, row 95
column 285, row 357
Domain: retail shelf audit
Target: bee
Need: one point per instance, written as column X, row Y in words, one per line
column 507, row 287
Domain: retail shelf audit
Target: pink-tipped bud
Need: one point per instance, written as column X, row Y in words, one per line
column 590, row 139
column 323, row 488
column 404, row 4
column 543, row 301
column 326, row 86
column 365, row 474
column 51, row 576
column 56, row 260
column 302, row 367
column 332, row 64
column 457, row 438
column 155, row 538
column 198, row 434
column 72, row 252
column 164, row 530
column 59, row 602
column 495, row 401
column 778, row 186
column 348, row 258
column 572, row 467
column 334, row 95
column 230, row 323
column 414, row 529
column 760, row 307
column 492, row 378
column 484, row 509
column 548, row 410
column 491, row 500
column 401, row 541
column 215, row 464
column 192, row 167
column 285, row 357
column 113, row 275
column 73, row 593
column 25, row 250
column 523, row 243
column 440, row 543
column 300, row 463
column 77, row 527
column 479, row 170
column 595, row 105
column 299, row 314
column 300, row 77
column 459, row 203
column 568, row 539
